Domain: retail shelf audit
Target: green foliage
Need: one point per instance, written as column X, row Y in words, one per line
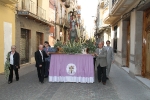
column 7, row 66
column 58, row 44
column 72, row 47
column 90, row 45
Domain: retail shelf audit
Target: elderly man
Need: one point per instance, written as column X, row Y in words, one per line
column 14, row 63
column 40, row 56
column 101, row 63
column 110, row 57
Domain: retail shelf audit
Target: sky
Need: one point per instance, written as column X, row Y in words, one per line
column 88, row 9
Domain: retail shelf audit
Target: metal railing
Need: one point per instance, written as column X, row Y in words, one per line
column 29, row 5
column 67, row 3
column 113, row 2
column 106, row 3
column 67, row 23
column 64, row 22
column 41, row 12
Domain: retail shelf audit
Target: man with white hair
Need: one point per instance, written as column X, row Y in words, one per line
column 101, row 63
column 40, row 56
column 14, row 60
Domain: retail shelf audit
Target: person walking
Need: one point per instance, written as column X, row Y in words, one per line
column 101, row 63
column 14, row 60
column 110, row 58
column 48, row 49
column 40, row 56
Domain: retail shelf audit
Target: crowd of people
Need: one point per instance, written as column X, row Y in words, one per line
column 42, row 58
column 103, row 58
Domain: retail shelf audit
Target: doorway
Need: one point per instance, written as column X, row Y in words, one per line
column 39, row 39
column 147, row 74
column 128, row 44
column 146, row 45
column 24, row 46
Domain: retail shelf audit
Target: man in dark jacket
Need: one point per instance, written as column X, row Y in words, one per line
column 40, row 56
column 14, row 59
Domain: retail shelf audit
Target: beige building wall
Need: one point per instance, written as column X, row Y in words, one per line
column 7, row 30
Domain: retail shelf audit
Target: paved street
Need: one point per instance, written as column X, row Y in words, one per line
column 120, row 87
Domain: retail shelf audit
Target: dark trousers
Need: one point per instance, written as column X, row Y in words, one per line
column 101, row 73
column 46, row 73
column 40, row 71
column 94, row 61
column 11, row 73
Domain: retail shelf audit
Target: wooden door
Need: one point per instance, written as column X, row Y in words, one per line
column 128, row 45
column 24, row 46
column 146, row 45
column 39, row 39
column 147, row 74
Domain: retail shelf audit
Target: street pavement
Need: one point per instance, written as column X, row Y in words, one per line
column 120, row 86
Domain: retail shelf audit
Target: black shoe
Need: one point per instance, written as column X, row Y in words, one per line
column 17, row 79
column 107, row 78
column 9, row 82
column 104, row 83
column 45, row 76
column 42, row 82
column 99, row 81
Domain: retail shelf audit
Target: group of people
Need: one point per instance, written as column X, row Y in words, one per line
column 104, row 58
column 42, row 58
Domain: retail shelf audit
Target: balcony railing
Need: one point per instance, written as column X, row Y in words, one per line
column 30, row 6
column 41, row 12
column 64, row 22
column 9, row 1
column 106, row 4
column 67, row 3
column 63, row 0
column 114, row 1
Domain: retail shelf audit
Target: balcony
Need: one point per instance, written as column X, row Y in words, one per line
column 120, row 6
column 101, row 3
column 67, row 3
column 29, row 9
column 106, row 4
column 9, row 1
column 63, row 0
column 64, row 23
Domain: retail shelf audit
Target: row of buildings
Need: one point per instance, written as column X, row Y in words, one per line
column 28, row 23
column 126, row 23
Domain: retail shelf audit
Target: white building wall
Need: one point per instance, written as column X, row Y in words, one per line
column 119, row 36
column 132, row 32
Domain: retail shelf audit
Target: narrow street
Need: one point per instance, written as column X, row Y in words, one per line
column 120, row 86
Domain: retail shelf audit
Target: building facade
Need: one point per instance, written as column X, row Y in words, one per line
column 7, row 29
column 103, row 30
column 129, row 21
column 32, row 27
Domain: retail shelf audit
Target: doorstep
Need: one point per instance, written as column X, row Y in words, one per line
column 143, row 80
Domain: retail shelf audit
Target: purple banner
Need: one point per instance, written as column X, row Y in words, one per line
column 71, row 68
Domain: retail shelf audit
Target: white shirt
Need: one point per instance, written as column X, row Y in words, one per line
column 11, row 58
column 100, row 51
column 41, row 55
column 107, row 48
